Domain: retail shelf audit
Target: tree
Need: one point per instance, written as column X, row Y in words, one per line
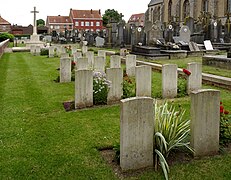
column 40, row 22
column 4, row 36
column 111, row 15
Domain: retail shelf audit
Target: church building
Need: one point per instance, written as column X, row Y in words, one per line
column 178, row 10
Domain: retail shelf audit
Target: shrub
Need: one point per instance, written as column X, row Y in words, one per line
column 128, row 87
column 181, row 88
column 170, row 132
column 100, row 88
column 5, row 36
column 44, row 52
column 225, row 126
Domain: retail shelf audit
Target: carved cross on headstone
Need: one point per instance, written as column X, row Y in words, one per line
column 35, row 23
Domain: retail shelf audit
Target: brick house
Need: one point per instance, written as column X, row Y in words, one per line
column 5, row 26
column 87, row 20
column 59, row 24
column 137, row 19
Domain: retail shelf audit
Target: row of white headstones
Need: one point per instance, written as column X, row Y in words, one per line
column 137, row 114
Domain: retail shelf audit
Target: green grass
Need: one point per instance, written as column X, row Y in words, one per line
column 182, row 63
column 39, row 140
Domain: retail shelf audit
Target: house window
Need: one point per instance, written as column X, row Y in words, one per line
column 82, row 23
column 51, row 27
column 97, row 23
column 70, row 26
column 87, row 24
column 57, row 27
column 76, row 23
column 92, row 23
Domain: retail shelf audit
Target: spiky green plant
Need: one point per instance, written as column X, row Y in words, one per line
column 170, row 132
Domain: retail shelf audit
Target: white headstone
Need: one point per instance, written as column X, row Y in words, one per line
column 169, row 80
column 83, row 88
column 115, row 61
column 208, row 45
column 99, row 63
column 143, row 81
column 65, row 70
column 130, row 65
column 115, row 75
column 136, row 133
column 205, row 122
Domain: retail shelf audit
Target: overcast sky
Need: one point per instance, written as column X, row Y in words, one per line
column 18, row 11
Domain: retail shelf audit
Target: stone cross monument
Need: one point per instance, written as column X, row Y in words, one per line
column 34, row 38
column 35, row 23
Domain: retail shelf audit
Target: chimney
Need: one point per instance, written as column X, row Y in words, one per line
column 91, row 11
column 99, row 11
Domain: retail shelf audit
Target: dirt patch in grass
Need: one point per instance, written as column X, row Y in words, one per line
column 176, row 157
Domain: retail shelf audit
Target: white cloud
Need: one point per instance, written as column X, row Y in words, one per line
column 18, row 11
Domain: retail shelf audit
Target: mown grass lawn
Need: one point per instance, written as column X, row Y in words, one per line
column 182, row 63
column 39, row 140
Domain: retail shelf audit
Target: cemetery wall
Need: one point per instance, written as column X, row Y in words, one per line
column 3, row 45
column 224, row 63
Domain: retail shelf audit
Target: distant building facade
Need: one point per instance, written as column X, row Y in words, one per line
column 87, row 20
column 22, row 30
column 5, row 26
column 178, row 10
column 137, row 19
column 59, row 24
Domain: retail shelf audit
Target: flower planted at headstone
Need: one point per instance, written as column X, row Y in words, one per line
column 100, row 88
column 225, row 126
column 187, row 72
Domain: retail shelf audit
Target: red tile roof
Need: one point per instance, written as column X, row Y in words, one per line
column 136, row 17
column 3, row 21
column 58, row 19
column 86, row 14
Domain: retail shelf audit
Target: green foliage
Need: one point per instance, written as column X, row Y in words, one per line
column 40, row 22
column 225, row 128
column 19, row 36
column 44, row 52
column 129, row 87
column 4, row 36
column 171, row 132
column 181, row 87
column 111, row 15
column 100, row 88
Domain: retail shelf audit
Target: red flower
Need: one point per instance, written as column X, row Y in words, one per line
column 187, row 72
column 226, row 112
column 220, row 103
column 73, row 62
column 221, row 109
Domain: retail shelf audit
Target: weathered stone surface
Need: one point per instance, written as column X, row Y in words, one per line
column 99, row 63
column 64, row 55
column 84, row 49
column 136, row 133
column 51, row 51
column 82, row 64
column 130, row 65
column 65, row 70
column 205, row 120
column 115, row 61
column 33, row 49
column 143, row 81
column 102, row 53
column 169, row 81
column 77, row 55
column 115, row 75
column 90, row 57
column 83, row 89
column 195, row 79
